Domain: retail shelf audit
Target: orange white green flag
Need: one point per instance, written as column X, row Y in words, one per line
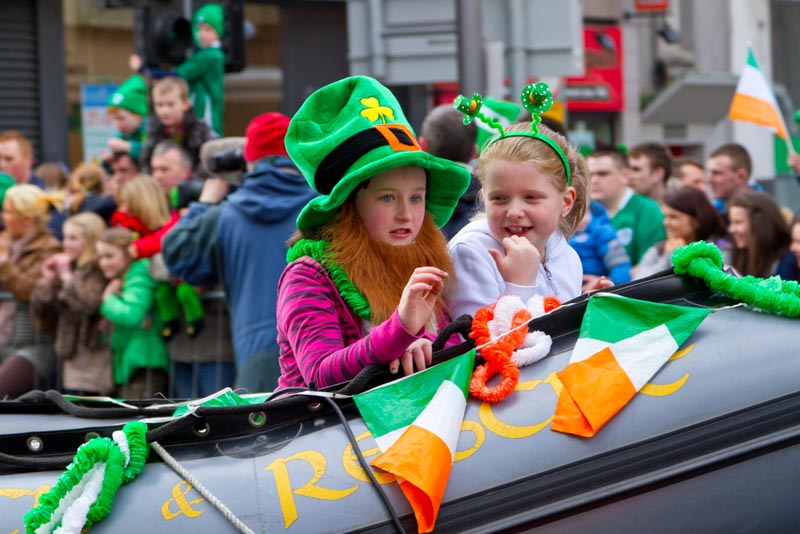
column 416, row 422
column 622, row 343
column 755, row 102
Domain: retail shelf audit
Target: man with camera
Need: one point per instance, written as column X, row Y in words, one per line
column 241, row 243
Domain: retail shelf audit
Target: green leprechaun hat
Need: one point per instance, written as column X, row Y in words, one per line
column 352, row 130
column 131, row 95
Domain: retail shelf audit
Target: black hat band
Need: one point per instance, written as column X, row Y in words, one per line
column 334, row 166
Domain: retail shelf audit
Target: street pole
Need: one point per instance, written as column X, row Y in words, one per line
column 471, row 57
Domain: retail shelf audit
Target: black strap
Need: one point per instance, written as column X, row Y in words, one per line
column 334, row 166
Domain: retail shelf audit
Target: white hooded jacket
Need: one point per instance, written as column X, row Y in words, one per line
column 479, row 283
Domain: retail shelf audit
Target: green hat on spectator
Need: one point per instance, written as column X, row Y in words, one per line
column 211, row 14
column 352, row 130
column 6, row 181
column 131, row 95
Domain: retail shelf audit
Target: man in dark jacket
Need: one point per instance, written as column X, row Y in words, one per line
column 444, row 135
column 241, row 243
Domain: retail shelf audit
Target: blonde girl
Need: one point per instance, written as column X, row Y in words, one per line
column 534, row 188
column 26, row 343
column 139, row 354
column 142, row 208
column 71, row 288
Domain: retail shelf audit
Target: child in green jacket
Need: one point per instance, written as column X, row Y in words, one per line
column 127, row 107
column 141, row 360
column 204, row 70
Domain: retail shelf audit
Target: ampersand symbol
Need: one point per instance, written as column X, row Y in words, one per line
column 179, row 492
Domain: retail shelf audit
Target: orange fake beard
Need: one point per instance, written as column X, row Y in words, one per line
column 381, row 271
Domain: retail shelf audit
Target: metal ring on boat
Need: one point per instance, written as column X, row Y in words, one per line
column 257, row 419
column 314, row 406
column 90, row 436
column 201, row 429
column 35, row 444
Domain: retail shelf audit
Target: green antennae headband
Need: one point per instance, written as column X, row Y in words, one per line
column 536, row 98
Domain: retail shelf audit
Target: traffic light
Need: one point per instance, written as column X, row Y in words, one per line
column 162, row 35
column 233, row 40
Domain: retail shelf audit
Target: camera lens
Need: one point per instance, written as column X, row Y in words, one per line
column 228, row 161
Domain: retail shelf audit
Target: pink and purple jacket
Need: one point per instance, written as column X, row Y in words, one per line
column 320, row 338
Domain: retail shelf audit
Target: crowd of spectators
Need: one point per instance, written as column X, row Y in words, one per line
column 146, row 273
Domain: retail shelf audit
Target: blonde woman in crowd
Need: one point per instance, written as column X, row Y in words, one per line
column 71, row 288
column 26, row 343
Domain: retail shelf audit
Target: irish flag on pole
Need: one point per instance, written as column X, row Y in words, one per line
column 622, row 343
column 416, row 422
column 754, row 101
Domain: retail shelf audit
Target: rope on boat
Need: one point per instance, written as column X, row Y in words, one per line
column 204, row 491
column 84, row 492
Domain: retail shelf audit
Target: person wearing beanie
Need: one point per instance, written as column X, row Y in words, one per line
column 239, row 241
column 127, row 107
column 369, row 263
column 204, row 70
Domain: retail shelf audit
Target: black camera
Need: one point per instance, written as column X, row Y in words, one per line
column 188, row 192
column 231, row 160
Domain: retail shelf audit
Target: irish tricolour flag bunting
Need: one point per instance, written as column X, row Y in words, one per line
column 416, row 422
column 622, row 343
column 755, row 102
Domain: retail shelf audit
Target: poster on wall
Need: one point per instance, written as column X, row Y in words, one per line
column 96, row 125
column 601, row 87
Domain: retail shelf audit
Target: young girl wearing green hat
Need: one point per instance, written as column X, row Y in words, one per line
column 369, row 262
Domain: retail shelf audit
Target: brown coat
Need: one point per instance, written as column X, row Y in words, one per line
column 21, row 276
column 86, row 360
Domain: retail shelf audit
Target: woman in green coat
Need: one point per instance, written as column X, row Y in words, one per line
column 141, row 360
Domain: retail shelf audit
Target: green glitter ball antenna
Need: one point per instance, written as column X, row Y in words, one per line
column 536, row 98
column 471, row 108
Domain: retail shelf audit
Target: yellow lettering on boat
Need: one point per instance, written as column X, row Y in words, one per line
column 506, row 430
column 310, row 489
column 179, row 492
column 662, row 390
column 16, row 493
column 354, row 469
column 480, row 437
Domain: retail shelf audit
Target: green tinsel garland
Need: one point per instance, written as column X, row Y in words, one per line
column 347, row 289
column 772, row 295
column 103, row 452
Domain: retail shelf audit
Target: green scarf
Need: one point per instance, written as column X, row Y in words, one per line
column 347, row 289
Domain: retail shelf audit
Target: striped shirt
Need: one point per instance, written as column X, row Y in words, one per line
column 321, row 340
